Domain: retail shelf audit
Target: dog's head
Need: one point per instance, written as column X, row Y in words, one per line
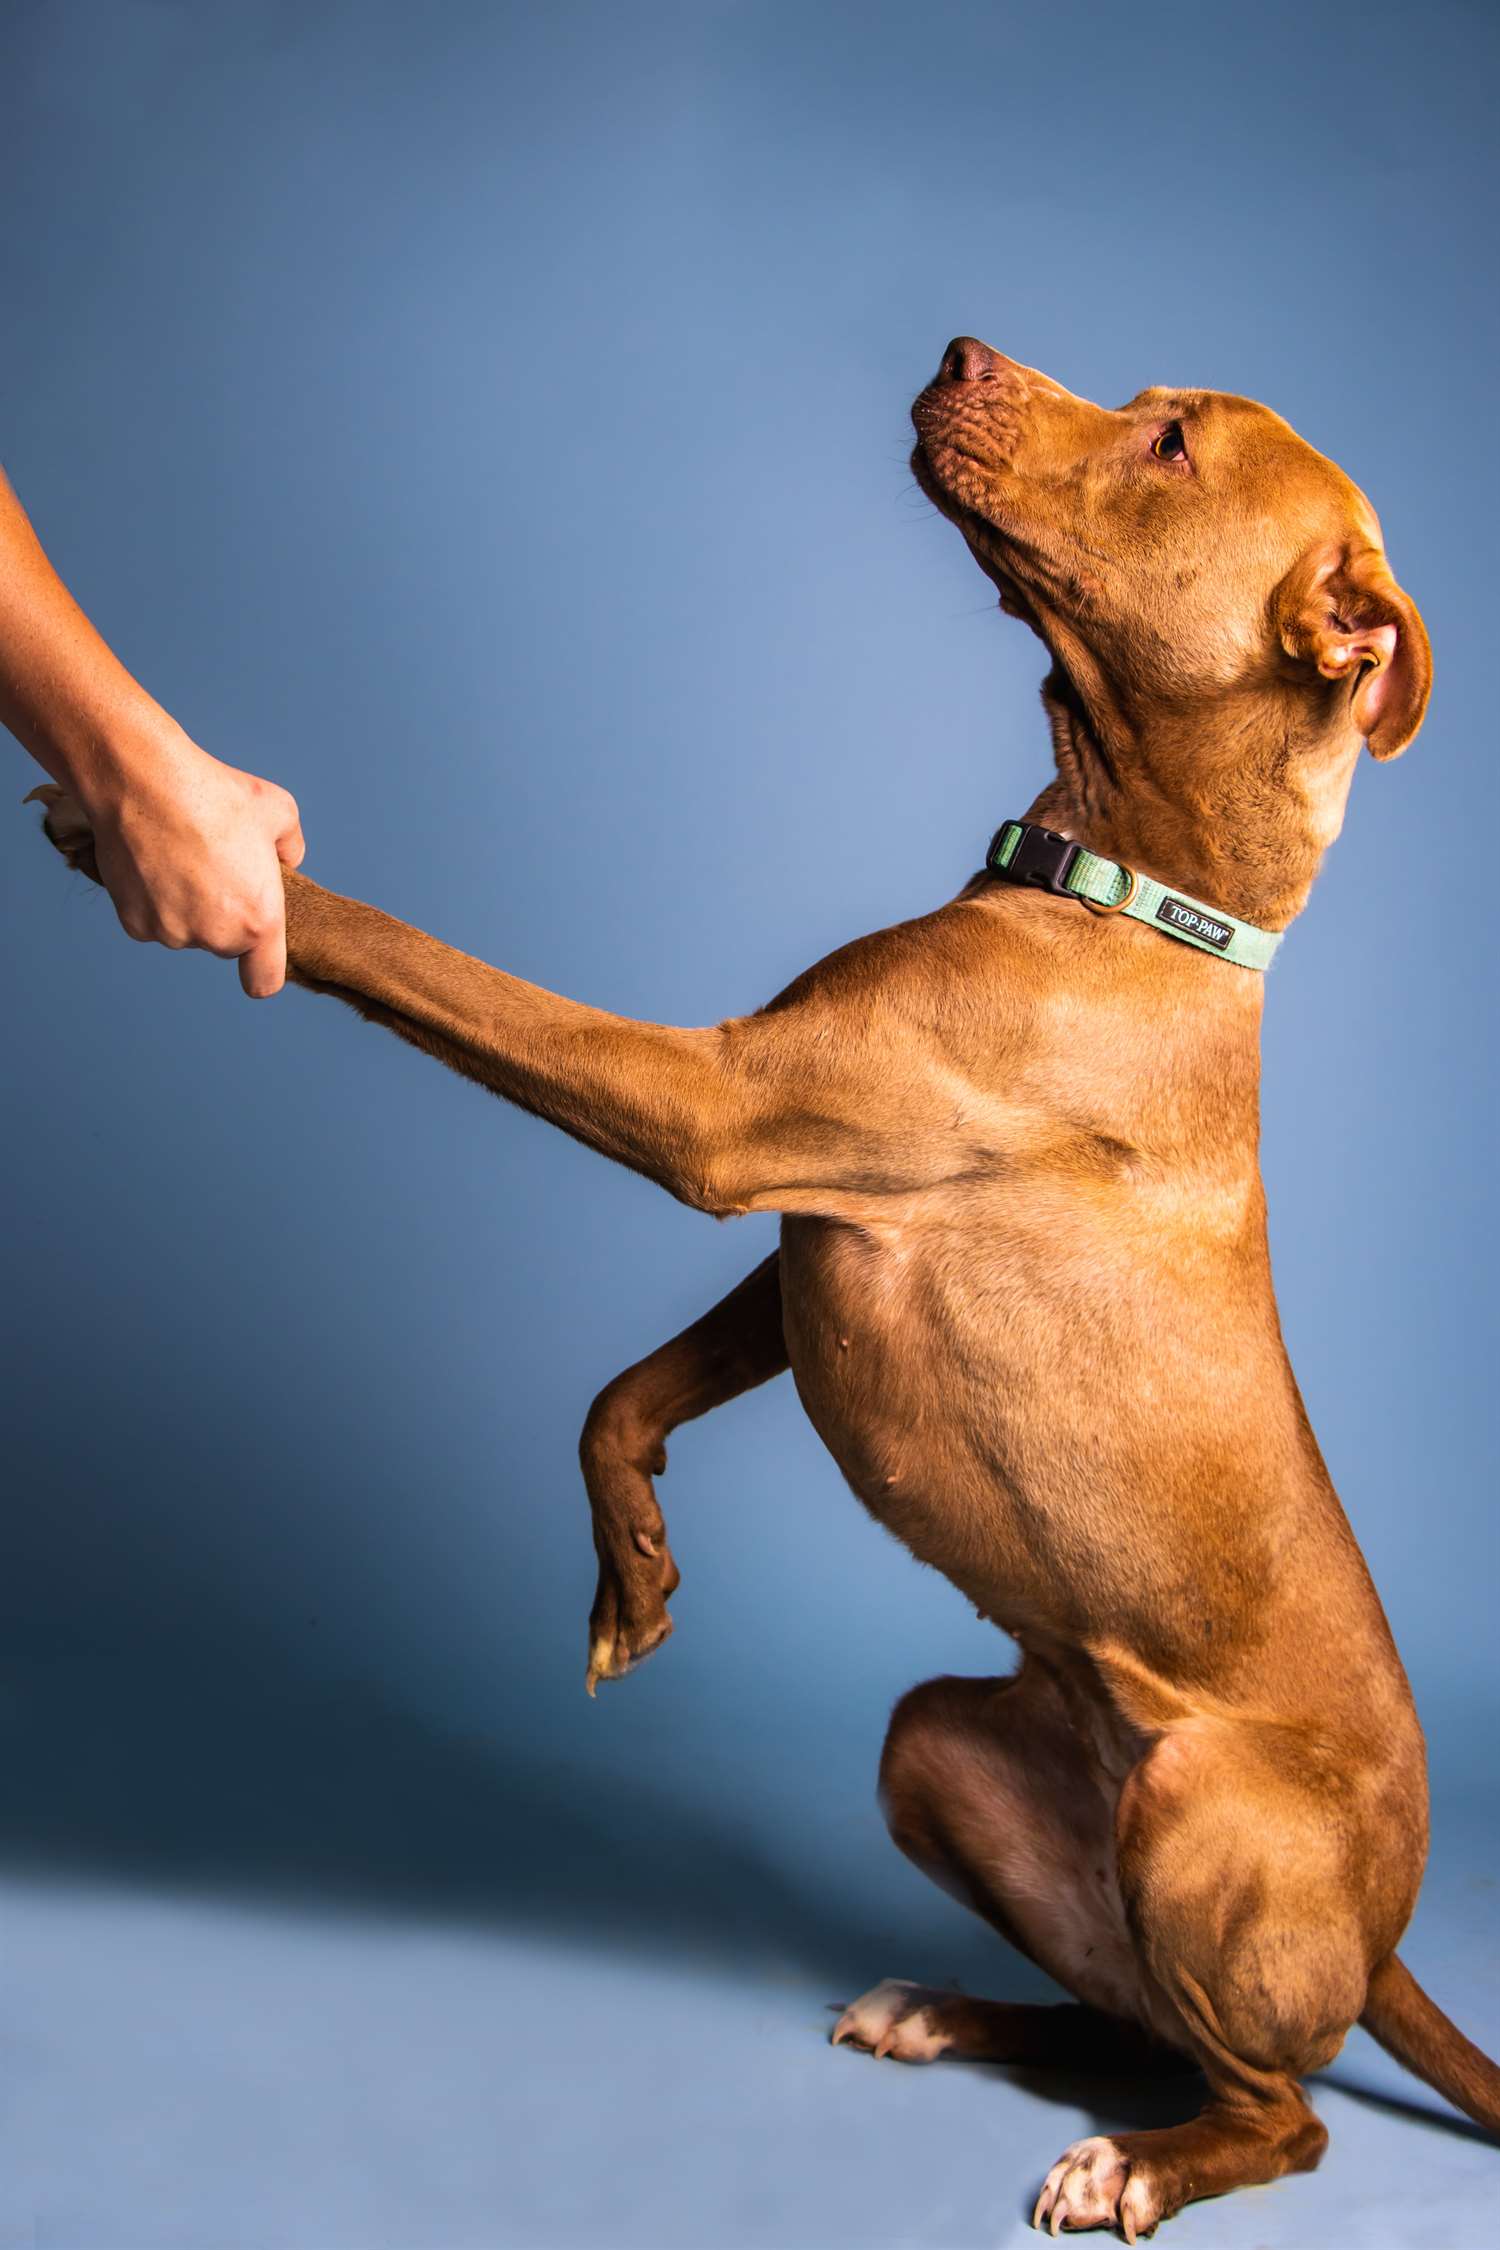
column 1175, row 552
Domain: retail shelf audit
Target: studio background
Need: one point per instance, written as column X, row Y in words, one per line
column 490, row 422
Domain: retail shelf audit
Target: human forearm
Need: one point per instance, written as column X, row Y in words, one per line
column 64, row 693
column 189, row 849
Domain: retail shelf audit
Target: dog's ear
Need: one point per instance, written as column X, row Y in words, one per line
column 1342, row 611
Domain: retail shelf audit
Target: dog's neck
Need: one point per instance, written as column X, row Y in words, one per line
column 1238, row 814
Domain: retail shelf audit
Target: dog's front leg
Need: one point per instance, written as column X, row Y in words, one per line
column 649, row 1095
column 831, row 1101
column 798, row 1108
column 731, row 1349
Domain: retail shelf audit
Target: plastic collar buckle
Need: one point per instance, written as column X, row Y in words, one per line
column 1042, row 859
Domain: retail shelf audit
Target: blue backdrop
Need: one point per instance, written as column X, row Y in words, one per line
column 491, row 423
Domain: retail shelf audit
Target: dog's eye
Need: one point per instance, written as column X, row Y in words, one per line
column 1170, row 444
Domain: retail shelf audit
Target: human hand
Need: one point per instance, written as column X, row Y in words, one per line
column 191, row 852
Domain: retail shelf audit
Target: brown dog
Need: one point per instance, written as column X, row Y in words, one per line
column 1023, row 1286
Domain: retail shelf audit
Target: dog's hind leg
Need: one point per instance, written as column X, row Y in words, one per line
column 989, row 1790
column 1234, row 1845
column 731, row 1349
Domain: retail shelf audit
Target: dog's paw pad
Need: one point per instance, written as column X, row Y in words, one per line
column 894, row 2018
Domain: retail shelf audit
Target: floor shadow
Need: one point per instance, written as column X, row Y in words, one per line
column 227, row 1772
column 1432, row 2112
column 236, row 1778
column 219, row 1767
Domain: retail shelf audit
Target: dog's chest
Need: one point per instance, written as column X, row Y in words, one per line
column 1002, row 1408
column 900, row 1373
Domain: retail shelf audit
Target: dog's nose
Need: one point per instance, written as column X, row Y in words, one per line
column 968, row 361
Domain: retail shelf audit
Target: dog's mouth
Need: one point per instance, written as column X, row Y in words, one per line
column 985, row 540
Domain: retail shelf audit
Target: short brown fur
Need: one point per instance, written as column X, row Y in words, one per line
column 1024, row 1290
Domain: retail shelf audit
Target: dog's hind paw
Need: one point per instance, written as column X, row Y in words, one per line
column 65, row 825
column 898, row 2019
column 1094, row 2184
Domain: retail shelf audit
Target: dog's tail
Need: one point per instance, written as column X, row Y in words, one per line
column 1414, row 2029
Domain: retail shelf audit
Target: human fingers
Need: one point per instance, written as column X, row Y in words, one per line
column 263, row 968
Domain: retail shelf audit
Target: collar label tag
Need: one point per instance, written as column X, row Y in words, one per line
column 1178, row 915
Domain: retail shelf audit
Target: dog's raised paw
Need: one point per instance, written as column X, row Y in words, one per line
column 897, row 2019
column 637, row 1578
column 613, row 1657
column 1094, row 2184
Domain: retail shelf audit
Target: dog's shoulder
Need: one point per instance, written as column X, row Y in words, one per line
column 953, row 959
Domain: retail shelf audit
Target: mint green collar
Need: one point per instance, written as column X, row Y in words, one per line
column 1024, row 853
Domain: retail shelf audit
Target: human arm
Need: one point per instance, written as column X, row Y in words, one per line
column 189, row 849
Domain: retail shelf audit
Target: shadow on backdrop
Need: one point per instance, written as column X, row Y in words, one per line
column 242, row 1779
